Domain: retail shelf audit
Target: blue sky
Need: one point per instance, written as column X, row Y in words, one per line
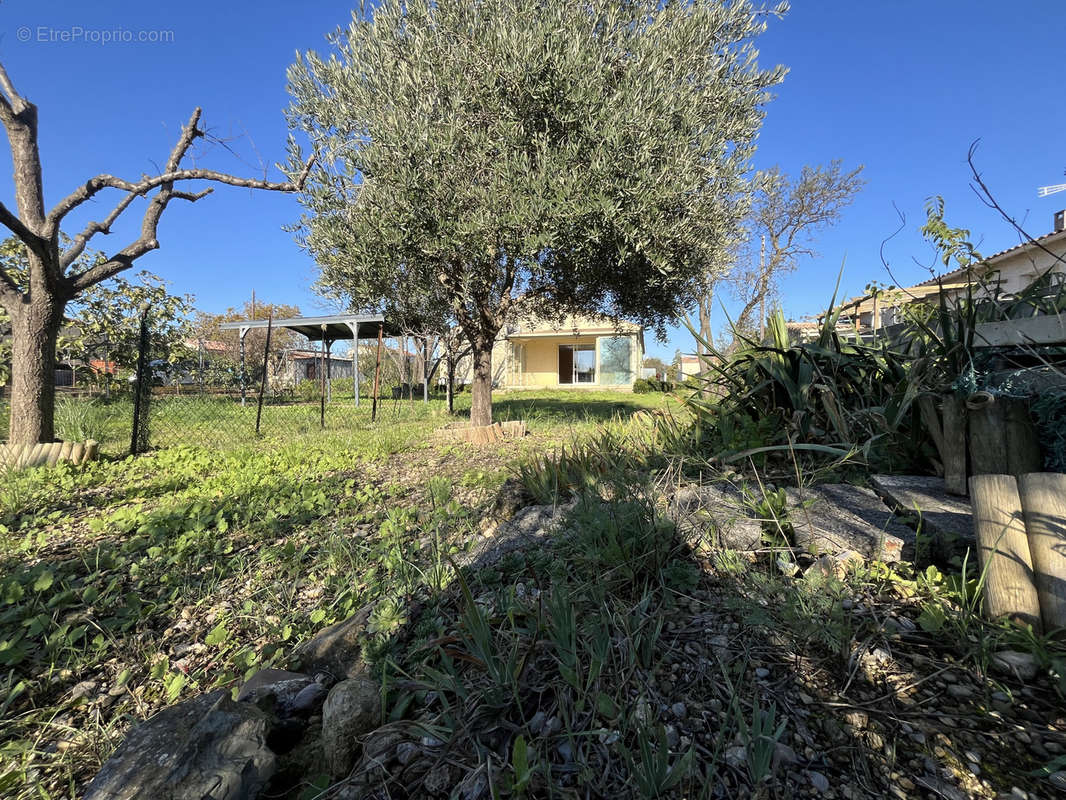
column 902, row 86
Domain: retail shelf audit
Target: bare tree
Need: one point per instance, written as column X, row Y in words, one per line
column 55, row 275
column 785, row 215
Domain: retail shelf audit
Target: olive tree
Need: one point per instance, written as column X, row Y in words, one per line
column 586, row 156
column 56, row 271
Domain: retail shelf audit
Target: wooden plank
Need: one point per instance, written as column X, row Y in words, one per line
column 1046, row 329
column 1003, row 550
column 1043, row 497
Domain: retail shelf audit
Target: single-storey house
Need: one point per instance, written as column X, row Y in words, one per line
column 1011, row 270
column 579, row 353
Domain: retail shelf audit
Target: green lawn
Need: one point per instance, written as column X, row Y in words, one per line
column 132, row 583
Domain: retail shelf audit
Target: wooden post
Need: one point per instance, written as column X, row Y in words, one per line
column 1003, row 550
column 953, row 411
column 1002, row 438
column 1043, row 497
column 377, row 376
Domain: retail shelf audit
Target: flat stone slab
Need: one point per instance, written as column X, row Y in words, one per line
column 827, row 520
column 941, row 515
column 715, row 516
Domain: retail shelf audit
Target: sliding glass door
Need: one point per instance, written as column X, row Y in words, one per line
column 577, row 363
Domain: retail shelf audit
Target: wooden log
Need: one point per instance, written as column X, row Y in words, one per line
column 65, row 450
column 988, row 435
column 1024, row 454
column 1043, row 496
column 36, row 455
column 1003, row 439
column 515, row 428
column 77, row 453
column 92, row 450
column 953, row 409
column 52, row 451
column 1003, row 550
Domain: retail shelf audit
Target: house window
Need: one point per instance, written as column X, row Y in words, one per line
column 616, row 360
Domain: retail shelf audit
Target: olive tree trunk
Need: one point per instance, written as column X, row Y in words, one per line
column 481, row 388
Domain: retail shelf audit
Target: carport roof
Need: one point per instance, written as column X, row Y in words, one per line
column 333, row 327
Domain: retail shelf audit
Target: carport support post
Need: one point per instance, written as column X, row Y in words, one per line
column 244, row 375
column 322, row 378
column 329, row 371
column 355, row 360
column 425, row 369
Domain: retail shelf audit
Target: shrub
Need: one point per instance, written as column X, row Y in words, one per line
column 649, row 385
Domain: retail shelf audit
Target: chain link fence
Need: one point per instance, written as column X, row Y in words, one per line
column 216, row 393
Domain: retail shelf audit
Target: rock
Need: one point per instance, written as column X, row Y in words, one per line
column 679, row 710
column 530, row 526
column 308, row 699
column 337, row 650
column 1019, row 665
column 438, row 780
column 208, row 747
column 275, row 689
column 1058, row 780
column 352, row 708
column 946, row 519
column 475, row 785
column 818, row 781
column 714, row 517
column 405, row 751
column 960, row 691
column 762, row 672
column 512, row 496
column 83, row 689
column 736, row 755
column 821, row 525
column 784, row 756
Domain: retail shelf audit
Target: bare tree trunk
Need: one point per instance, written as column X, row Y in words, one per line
column 34, row 327
column 481, row 388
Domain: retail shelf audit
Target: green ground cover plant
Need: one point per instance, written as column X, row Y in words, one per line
column 131, row 583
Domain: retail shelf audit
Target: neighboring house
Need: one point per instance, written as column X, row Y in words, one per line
column 307, row 365
column 1012, row 270
column 584, row 353
column 690, row 365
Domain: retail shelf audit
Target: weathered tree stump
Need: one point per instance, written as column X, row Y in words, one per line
column 1043, row 496
column 1003, row 550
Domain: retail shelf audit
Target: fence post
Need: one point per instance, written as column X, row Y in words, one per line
column 266, row 361
column 244, row 374
column 142, row 392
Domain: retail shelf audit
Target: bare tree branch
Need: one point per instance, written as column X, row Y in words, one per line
column 985, row 195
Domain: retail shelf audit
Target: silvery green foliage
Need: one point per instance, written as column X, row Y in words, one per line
column 588, row 154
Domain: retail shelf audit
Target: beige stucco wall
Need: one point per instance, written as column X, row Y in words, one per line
column 534, row 362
